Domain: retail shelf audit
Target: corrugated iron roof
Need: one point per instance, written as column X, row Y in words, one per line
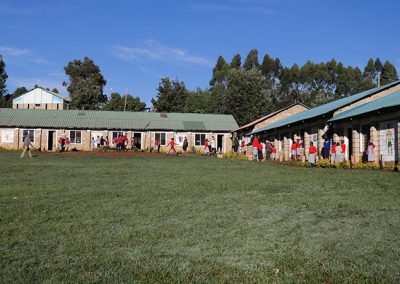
column 391, row 100
column 324, row 109
column 84, row 119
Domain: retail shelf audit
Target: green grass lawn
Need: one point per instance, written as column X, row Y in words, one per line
column 194, row 219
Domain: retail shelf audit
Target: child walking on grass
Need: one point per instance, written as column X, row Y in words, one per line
column 172, row 146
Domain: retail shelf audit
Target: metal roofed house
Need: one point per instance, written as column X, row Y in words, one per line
column 377, row 122
column 270, row 119
column 313, row 125
column 40, row 98
column 46, row 126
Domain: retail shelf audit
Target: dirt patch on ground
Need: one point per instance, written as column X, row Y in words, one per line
column 111, row 154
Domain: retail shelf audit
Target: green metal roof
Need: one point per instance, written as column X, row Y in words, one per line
column 391, row 100
column 324, row 109
column 84, row 119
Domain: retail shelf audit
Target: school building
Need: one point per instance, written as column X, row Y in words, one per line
column 269, row 119
column 372, row 115
column 46, row 126
column 39, row 98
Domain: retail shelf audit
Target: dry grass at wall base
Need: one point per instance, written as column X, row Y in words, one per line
column 184, row 219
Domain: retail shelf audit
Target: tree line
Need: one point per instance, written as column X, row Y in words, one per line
column 246, row 90
column 252, row 89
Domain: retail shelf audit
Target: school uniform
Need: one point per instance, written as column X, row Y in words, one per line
column 255, row 147
column 273, row 154
column 260, row 152
column 293, row 150
column 298, row 149
column 342, row 152
column 371, row 153
column 312, row 154
column 333, row 153
column 327, row 149
column 338, row 156
column 206, row 149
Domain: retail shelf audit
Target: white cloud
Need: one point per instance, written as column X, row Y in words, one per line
column 15, row 55
column 154, row 50
column 12, row 51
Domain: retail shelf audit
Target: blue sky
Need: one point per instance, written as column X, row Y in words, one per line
column 135, row 43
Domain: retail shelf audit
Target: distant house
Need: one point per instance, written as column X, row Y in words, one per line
column 40, row 98
column 270, row 119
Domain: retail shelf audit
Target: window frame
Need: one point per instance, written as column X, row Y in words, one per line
column 161, row 138
column 28, row 130
column 75, row 134
column 195, row 140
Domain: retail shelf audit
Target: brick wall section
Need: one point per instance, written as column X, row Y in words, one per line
column 286, row 113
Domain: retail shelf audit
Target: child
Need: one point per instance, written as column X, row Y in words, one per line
column 338, row 156
column 343, row 151
column 312, row 151
column 156, row 146
column 107, row 142
column 120, row 142
column 67, row 143
column 243, row 146
column 298, row 149
column 60, row 142
column 293, row 150
column 333, row 152
column 206, row 148
column 273, row 153
column 172, row 144
column 260, row 151
column 327, row 149
column 255, row 148
column 371, row 152
column 115, row 142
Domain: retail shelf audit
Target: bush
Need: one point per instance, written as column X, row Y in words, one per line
column 324, row 164
column 233, row 156
column 296, row 163
column 366, row 166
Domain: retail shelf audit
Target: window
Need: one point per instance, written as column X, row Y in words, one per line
column 37, row 105
column 29, row 132
column 116, row 134
column 75, row 136
column 199, row 139
column 161, row 138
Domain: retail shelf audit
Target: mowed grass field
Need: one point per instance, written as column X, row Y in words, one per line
column 194, row 219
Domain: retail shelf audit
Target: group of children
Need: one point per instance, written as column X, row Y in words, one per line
column 335, row 153
column 261, row 149
column 63, row 144
column 210, row 147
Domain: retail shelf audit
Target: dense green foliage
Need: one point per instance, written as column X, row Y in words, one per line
column 117, row 102
column 312, row 84
column 85, row 85
column 3, row 86
column 184, row 220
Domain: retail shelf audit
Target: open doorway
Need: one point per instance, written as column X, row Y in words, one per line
column 50, row 140
column 138, row 140
column 220, row 145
